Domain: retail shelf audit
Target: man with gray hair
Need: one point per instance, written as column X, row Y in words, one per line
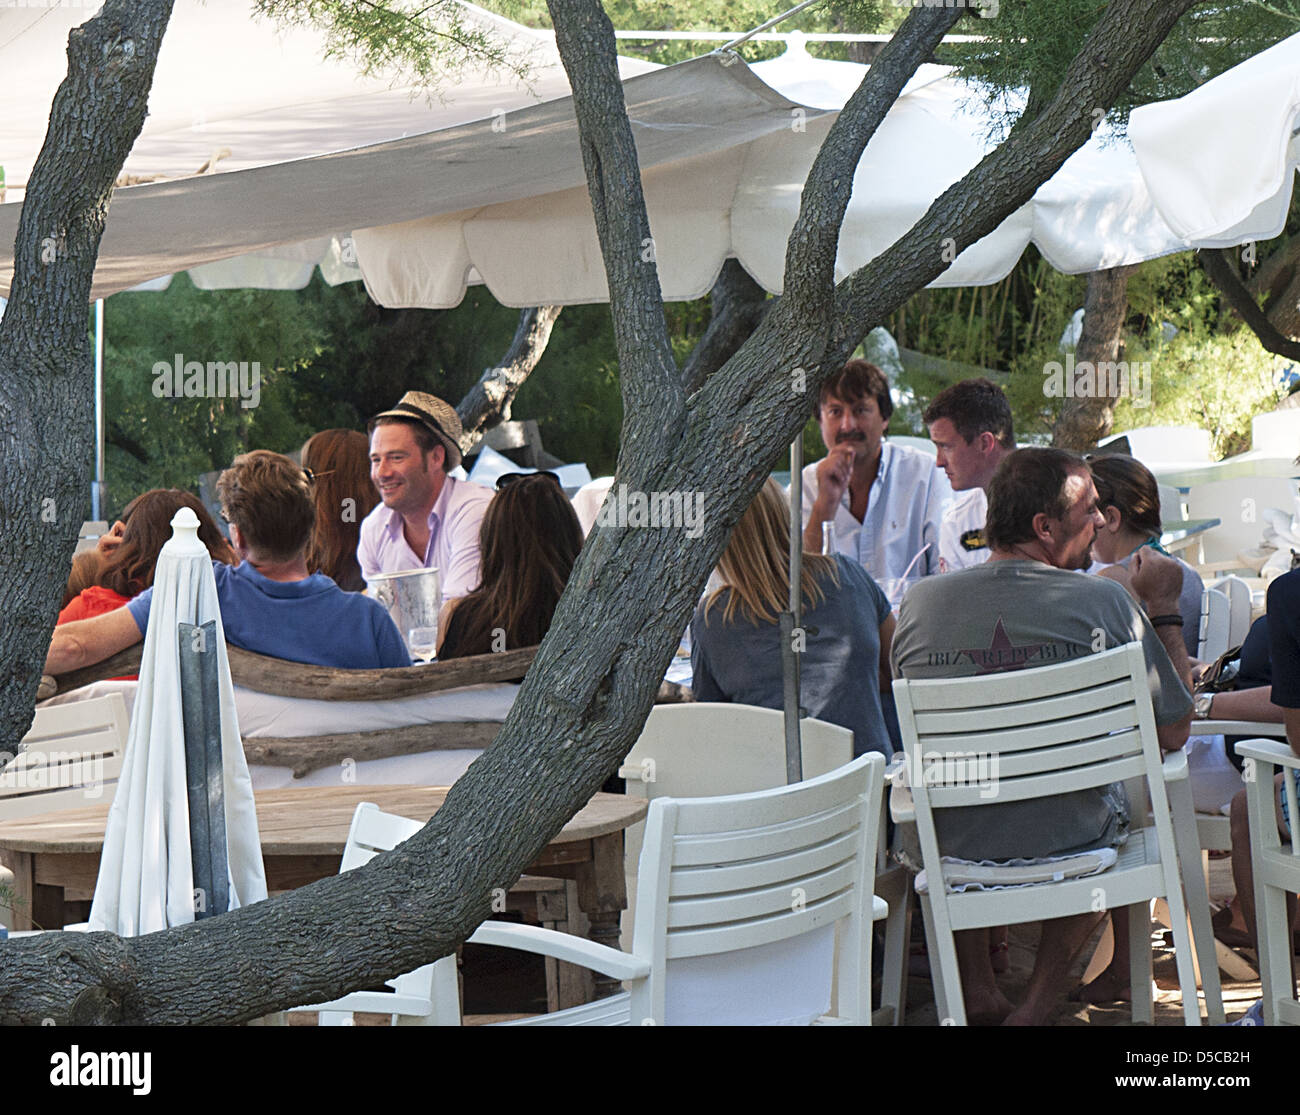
column 1029, row 606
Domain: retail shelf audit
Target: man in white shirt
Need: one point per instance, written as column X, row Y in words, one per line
column 883, row 501
column 426, row 518
column 970, row 425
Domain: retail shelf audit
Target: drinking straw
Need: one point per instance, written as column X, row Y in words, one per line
column 914, row 561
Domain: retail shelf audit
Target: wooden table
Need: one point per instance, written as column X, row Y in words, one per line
column 55, row 856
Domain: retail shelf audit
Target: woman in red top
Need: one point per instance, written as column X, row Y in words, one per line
column 128, row 568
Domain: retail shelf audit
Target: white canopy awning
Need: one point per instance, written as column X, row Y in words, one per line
column 1221, row 161
column 490, row 186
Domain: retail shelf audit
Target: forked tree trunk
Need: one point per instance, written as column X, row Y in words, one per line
column 633, row 589
column 487, row 403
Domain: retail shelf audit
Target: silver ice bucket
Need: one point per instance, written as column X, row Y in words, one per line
column 413, row 597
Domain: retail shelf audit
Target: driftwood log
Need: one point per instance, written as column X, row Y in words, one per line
column 305, row 754
column 325, row 683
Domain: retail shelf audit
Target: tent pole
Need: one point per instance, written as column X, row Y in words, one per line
column 792, row 619
column 97, row 487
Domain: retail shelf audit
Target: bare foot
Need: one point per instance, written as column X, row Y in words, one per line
column 988, row 1010
column 1109, row 987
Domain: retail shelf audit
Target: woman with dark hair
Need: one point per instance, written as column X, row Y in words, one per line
column 1129, row 498
column 128, row 568
column 530, row 539
column 339, row 463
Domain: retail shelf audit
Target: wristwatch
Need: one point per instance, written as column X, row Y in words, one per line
column 1201, row 705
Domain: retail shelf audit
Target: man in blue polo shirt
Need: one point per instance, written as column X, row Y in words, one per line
column 269, row 603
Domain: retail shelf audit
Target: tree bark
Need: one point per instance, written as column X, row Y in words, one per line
column 487, row 403
column 1222, row 270
column 633, row 589
column 1087, row 418
column 45, row 361
column 738, row 305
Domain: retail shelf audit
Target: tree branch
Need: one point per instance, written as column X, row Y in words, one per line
column 1218, row 265
column 653, row 399
column 810, row 253
column 1123, row 39
column 487, row 403
column 738, row 305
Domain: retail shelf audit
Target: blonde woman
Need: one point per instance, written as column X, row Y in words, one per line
column 736, row 640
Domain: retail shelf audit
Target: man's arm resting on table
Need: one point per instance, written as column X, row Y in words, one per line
column 87, row 641
column 1249, row 704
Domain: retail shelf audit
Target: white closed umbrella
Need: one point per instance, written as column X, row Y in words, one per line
column 146, row 878
column 1220, row 163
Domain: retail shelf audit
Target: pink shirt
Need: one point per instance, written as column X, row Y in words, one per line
column 453, row 546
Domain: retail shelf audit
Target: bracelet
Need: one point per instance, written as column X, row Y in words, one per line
column 1170, row 620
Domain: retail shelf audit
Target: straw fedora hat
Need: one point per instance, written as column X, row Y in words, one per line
column 435, row 415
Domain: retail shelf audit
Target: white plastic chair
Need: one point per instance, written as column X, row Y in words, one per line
column 743, row 901
column 705, row 749
column 1039, row 733
column 410, row 1003
column 1216, row 622
column 1277, row 872
column 71, row 758
column 1239, row 608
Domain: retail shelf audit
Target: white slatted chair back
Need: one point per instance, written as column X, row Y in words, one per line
column 1275, row 861
column 1216, row 622
column 706, row 749
column 411, row 1001
column 1239, row 608
column 71, row 758
column 1038, row 733
column 740, row 896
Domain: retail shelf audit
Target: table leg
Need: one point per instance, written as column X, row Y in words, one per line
column 602, row 896
column 20, row 863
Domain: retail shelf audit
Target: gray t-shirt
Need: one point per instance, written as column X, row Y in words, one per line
column 1012, row 615
column 840, row 676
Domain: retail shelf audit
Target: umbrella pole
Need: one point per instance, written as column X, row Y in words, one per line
column 792, row 618
column 97, row 488
column 204, row 777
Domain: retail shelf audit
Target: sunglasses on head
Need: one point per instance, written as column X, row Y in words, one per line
column 506, row 479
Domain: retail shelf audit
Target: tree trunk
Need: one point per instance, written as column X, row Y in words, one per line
column 1221, row 266
column 738, row 305
column 1086, row 417
column 46, row 375
column 634, row 587
column 487, row 403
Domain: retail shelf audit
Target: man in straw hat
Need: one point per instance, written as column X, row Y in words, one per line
column 426, row 518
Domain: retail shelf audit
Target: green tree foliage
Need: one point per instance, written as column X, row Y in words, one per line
column 1030, row 43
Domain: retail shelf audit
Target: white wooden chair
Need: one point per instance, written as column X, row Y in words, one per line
column 1039, row 733
column 1239, row 608
column 410, row 1003
column 71, row 758
column 1216, row 623
column 743, row 902
column 706, row 749
column 1277, row 872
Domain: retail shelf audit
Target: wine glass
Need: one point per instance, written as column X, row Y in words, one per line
column 423, row 642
